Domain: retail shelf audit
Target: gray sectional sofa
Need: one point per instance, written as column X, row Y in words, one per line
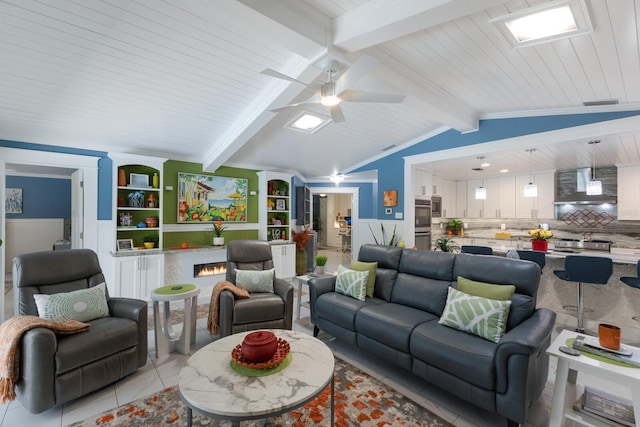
column 400, row 324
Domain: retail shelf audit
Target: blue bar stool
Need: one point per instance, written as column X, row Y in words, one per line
column 478, row 250
column 536, row 256
column 585, row 269
column 634, row 282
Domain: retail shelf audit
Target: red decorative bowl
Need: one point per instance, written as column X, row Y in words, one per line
column 259, row 346
column 280, row 354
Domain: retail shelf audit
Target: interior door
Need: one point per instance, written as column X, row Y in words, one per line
column 77, row 210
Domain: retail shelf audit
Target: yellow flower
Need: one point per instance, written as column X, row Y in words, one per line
column 540, row 234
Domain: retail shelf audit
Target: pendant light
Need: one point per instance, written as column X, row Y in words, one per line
column 530, row 189
column 594, row 187
column 481, row 192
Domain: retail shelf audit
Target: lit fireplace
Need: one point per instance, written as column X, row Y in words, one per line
column 209, row 269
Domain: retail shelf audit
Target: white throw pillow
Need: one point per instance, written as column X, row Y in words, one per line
column 352, row 283
column 255, row 280
column 81, row 305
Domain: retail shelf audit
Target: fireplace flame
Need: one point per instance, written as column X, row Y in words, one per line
column 211, row 270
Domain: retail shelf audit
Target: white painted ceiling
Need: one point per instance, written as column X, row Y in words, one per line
column 181, row 78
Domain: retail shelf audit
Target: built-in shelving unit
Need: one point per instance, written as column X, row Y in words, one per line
column 275, row 206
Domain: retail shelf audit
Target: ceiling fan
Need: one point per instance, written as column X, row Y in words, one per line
column 331, row 93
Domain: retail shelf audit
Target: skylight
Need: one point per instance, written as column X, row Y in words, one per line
column 544, row 23
column 308, row 122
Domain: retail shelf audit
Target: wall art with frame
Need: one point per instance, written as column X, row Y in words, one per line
column 13, row 200
column 209, row 198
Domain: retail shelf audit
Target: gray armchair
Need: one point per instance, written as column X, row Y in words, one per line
column 57, row 369
column 260, row 310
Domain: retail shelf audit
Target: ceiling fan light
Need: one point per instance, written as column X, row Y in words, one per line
column 336, row 179
column 328, row 95
column 594, row 188
column 531, row 190
column 481, row 193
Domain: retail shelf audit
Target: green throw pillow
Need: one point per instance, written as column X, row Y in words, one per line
column 484, row 317
column 486, row 290
column 371, row 268
column 255, row 280
column 352, row 283
column 81, row 305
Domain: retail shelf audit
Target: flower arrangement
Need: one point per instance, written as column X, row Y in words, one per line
column 218, row 228
column 540, row 234
column 301, row 239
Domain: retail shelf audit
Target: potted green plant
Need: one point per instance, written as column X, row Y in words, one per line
column 150, row 241
column 454, row 226
column 321, row 261
column 445, row 244
column 218, row 228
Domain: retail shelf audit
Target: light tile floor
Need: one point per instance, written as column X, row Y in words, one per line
column 161, row 373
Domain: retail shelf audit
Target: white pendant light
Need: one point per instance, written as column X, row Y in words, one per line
column 530, row 189
column 594, row 187
column 481, row 193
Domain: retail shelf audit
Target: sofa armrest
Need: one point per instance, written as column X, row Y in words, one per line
column 528, row 338
column 35, row 386
column 285, row 290
column 136, row 310
column 318, row 286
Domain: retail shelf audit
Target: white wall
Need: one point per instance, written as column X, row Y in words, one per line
column 24, row 236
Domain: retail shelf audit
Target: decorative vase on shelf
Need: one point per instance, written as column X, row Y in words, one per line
column 218, row 241
column 122, row 179
column 540, row 245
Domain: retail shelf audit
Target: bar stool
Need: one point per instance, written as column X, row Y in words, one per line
column 536, row 256
column 585, row 269
column 478, row 250
column 634, row 282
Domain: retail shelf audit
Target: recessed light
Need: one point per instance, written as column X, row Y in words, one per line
column 485, row 165
column 543, row 23
column 504, row 170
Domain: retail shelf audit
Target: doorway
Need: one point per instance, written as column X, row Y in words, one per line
column 331, row 206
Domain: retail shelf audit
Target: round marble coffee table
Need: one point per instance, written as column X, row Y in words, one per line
column 211, row 387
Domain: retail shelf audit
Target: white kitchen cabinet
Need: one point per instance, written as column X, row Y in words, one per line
column 461, row 199
column 500, row 201
column 446, row 189
column 284, row 259
column 136, row 276
column 540, row 207
column 628, row 192
column 474, row 206
column 422, row 182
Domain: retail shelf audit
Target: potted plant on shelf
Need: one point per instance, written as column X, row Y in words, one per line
column 321, row 261
column 445, row 244
column 150, row 241
column 218, row 228
column 540, row 239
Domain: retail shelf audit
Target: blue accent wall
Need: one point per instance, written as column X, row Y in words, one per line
column 42, row 197
column 104, row 171
column 391, row 168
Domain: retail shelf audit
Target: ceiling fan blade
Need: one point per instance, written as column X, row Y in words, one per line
column 336, row 114
column 274, row 73
column 315, row 99
column 362, row 96
column 356, row 72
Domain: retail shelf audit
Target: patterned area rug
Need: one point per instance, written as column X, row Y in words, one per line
column 360, row 400
column 177, row 316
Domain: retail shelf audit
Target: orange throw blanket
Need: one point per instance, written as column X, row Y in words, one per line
column 11, row 332
column 213, row 322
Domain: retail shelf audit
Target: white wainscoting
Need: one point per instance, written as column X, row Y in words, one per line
column 24, row 236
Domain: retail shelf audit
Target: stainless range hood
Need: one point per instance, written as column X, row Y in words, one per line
column 571, row 186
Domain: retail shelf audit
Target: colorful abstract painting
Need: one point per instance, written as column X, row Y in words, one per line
column 208, row 198
column 390, row 198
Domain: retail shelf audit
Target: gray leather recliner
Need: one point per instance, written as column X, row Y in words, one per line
column 261, row 310
column 57, row 369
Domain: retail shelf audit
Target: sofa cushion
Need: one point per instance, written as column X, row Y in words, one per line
column 371, row 267
column 255, row 280
column 484, row 317
column 81, row 305
column 485, row 290
column 106, row 336
column 388, row 259
column 422, row 293
column 391, row 324
column 352, row 283
column 259, row 307
column 341, row 309
column 465, row 356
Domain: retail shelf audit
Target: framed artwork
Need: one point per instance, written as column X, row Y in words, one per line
column 280, row 205
column 125, row 244
column 209, row 198
column 390, row 198
column 13, row 200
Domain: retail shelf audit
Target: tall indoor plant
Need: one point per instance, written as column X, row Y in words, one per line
column 301, row 239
